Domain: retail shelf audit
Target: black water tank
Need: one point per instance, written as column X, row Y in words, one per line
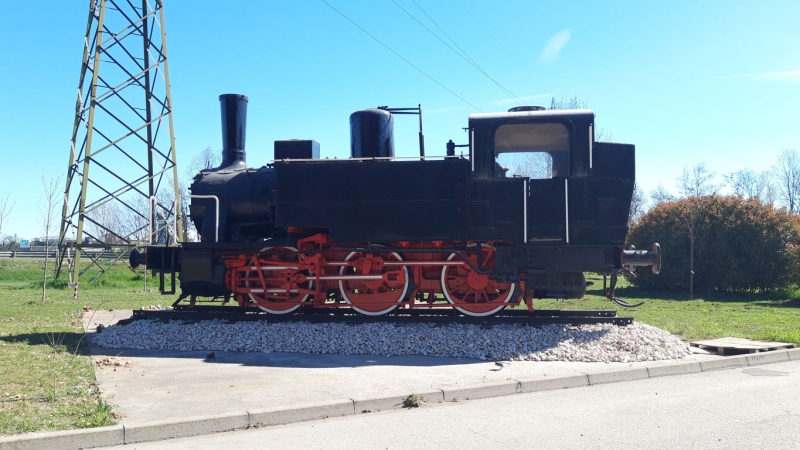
column 371, row 134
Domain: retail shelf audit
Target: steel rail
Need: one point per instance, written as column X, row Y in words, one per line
column 346, row 315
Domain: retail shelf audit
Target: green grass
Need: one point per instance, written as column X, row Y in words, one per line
column 47, row 381
column 774, row 317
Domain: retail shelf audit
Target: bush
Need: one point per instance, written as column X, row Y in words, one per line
column 740, row 245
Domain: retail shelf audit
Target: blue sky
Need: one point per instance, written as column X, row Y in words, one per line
column 685, row 81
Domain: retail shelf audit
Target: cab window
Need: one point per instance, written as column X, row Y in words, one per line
column 531, row 150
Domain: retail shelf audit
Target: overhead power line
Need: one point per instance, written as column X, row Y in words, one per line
column 400, row 56
column 461, row 52
column 503, row 47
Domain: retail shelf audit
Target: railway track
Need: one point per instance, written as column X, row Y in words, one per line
column 443, row 316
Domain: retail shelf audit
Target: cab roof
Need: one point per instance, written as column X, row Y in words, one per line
column 544, row 113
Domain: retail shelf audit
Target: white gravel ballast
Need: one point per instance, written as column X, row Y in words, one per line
column 588, row 343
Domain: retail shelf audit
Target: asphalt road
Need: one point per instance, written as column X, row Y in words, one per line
column 751, row 407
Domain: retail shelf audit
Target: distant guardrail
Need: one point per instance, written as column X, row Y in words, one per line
column 40, row 255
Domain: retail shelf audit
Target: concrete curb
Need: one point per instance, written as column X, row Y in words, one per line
column 87, row 437
column 725, row 363
column 767, row 358
column 394, row 402
column 482, row 391
column 300, row 413
column 189, row 426
column 369, row 405
column 551, row 384
column 619, row 375
column 165, row 429
column 674, row 369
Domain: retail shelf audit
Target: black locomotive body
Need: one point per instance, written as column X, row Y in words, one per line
column 532, row 204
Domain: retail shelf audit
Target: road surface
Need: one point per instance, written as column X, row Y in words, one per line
column 745, row 408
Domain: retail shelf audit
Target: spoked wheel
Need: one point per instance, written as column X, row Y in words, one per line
column 472, row 293
column 376, row 288
column 279, row 293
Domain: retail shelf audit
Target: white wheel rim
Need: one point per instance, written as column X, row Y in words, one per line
column 272, row 311
column 464, row 311
column 371, row 313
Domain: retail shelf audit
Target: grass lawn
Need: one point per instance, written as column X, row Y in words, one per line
column 774, row 317
column 47, row 381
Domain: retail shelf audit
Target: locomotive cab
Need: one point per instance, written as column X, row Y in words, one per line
column 576, row 191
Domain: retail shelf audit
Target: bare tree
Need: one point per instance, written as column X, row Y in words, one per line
column 48, row 217
column 568, row 103
column 186, row 223
column 536, row 165
column 697, row 182
column 7, row 242
column 787, row 173
column 600, row 135
column 751, row 184
column 660, row 195
column 105, row 223
column 638, row 202
column 206, row 159
column 135, row 221
column 691, row 224
column 5, row 211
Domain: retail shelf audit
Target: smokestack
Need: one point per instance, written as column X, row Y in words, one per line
column 233, row 108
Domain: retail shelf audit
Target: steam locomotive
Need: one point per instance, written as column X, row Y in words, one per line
column 533, row 204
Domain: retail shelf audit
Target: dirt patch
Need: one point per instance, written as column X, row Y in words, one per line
column 112, row 362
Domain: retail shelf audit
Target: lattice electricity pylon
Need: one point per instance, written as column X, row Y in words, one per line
column 123, row 136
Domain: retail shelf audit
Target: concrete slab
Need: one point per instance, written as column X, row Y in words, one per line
column 733, row 346
column 249, row 389
column 793, row 353
column 71, row 439
column 155, row 384
column 767, row 357
column 94, row 318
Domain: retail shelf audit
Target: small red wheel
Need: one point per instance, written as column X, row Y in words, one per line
column 274, row 297
column 473, row 293
column 381, row 293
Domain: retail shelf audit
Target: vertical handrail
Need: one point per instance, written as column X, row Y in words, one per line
column 216, row 204
column 153, row 206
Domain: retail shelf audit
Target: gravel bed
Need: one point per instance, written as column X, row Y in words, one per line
column 588, row 343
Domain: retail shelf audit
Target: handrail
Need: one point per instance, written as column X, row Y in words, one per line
column 374, row 158
column 216, row 202
column 153, row 206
